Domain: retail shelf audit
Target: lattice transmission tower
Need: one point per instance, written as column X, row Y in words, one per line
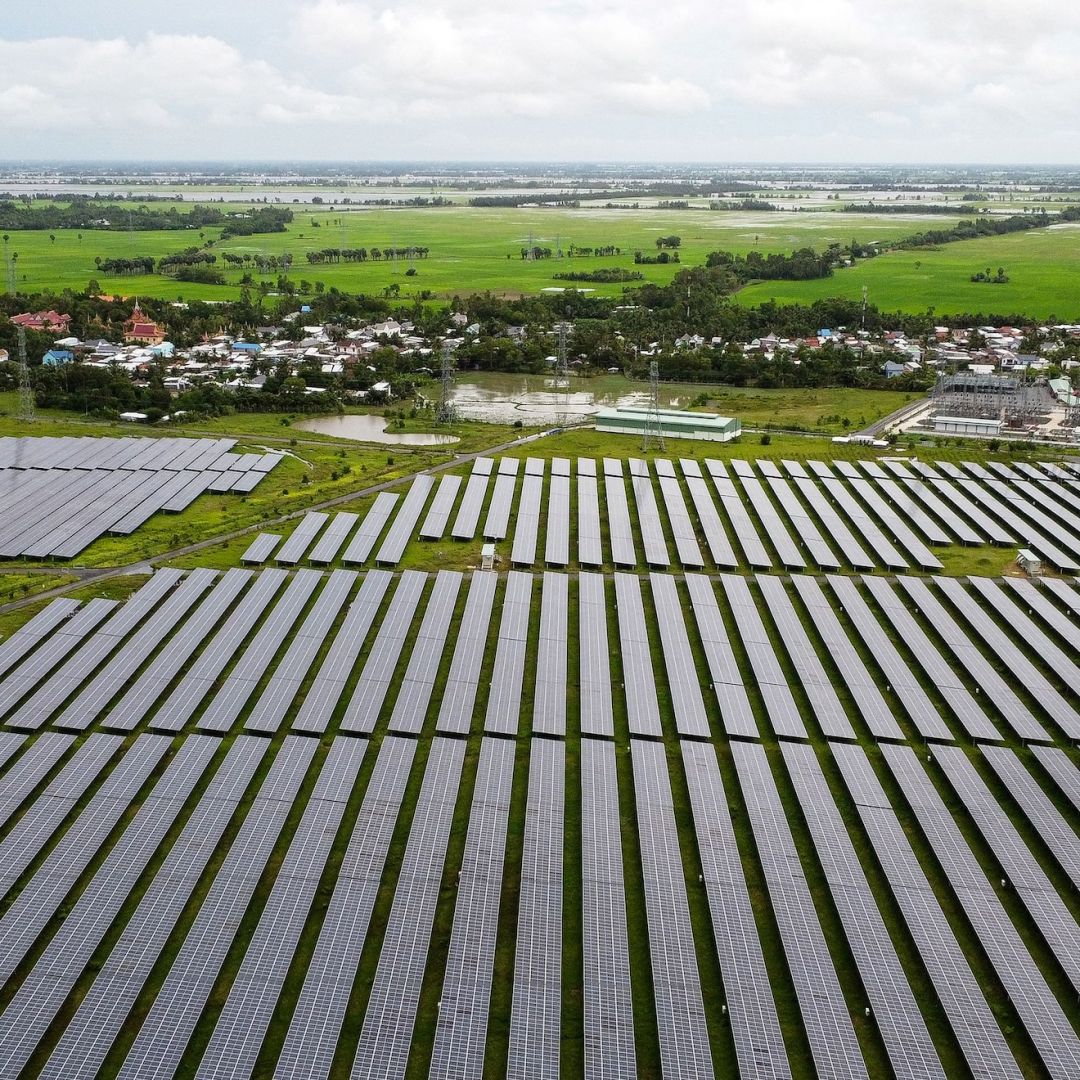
column 562, row 380
column 653, row 435
column 446, row 412
column 26, row 389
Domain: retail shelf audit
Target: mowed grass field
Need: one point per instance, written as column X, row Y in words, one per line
column 1042, row 264
column 471, row 249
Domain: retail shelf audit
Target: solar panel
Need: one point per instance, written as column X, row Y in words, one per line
column 711, row 525
column 438, row 515
column 370, row 528
column 680, row 1011
column 504, row 696
column 727, row 682
column 461, row 1030
column 682, row 528
column 1045, row 818
column 941, row 673
column 899, row 1021
column 892, row 521
column 772, row 682
column 1064, row 592
column 898, row 496
column 393, row 546
column 198, row 680
column 527, row 521
column 472, row 502
column 10, row 742
column 639, row 680
column 537, row 998
column 332, row 541
column 534, row 466
column 30, row 769
column 386, row 1035
column 459, row 693
column 1061, row 769
column 590, row 550
column 255, row 661
column 860, row 684
column 608, row 1006
column 371, row 688
column 816, row 682
column 833, row 1044
column 620, row 531
column 560, row 466
column 502, row 499
column 102, row 1011
column 748, row 998
column 31, row 633
column 483, row 466
column 813, row 541
column 990, row 682
column 753, row 549
column 549, row 695
column 957, row 525
column 1046, row 1023
column 557, row 541
column 980, row 1039
column 786, row 548
column 121, row 668
column 417, row 684
column 302, row 537
column 684, row 686
column 170, row 1020
column 1036, row 601
column 261, row 548
column 293, row 667
column 594, row 675
column 242, row 1024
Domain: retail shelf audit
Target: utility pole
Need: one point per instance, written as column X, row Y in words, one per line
column 26, row 390
column 653, row 435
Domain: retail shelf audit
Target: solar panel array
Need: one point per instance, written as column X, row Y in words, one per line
column 549, row 694
column 508, row 674
column 71, row 491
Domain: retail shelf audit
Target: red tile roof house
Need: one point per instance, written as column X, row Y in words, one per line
column 43, row 320
column 143, row 330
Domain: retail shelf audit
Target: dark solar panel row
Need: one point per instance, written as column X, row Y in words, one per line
column 332, row 541
column 834, row 524
column 256, row 659
column 620, row 531
column 502, row 499
column 103, row 1010
column 652, row 532
column 401, row 531
column 772, row 682
column 1036, row 600
column 386, row 1036
column 179, row 1001
column 1031, row 997
column 244, row 1018
column 181, row 704
column 973, row 1023
column 375, row 680
column 639, row 680
column 504, row 695
column 899, row 498
column 748, row 997
column 804, row 658
column 295, row 664
column 308, row 1049
column 892, row 1001
column 753, row 549
column 590, row 550
column 34, row 631
column 727, row 682
column 463, row 678
column 301, row 538
column 594, row 658
column 36, row 762
column 557, row 538
column 608, row 1003
column 682, row 526
column 371, row 528
column 151, row 685
column 438, row 515
column 537, row 1000
column 833, row 1044
column 715, row 535
column 549, row 696
column 684, row 686
column 527, row 521
column 680, row 1011
column 860, row 683
column 775, row 529
column 804, row 524
column 418, row 683
column 472, row 502
column 1064, row 773
column 954, row 522
column 261, row 548
column 461, row 1030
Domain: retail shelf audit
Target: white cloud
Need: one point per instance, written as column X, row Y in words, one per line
column 867, row 79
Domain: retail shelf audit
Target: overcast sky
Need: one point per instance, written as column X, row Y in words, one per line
column 543, row 80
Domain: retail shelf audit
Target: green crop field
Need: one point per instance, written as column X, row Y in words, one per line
column 1042, row 265
column 471, row 249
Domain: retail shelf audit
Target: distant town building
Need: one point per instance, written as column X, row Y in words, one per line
column 141, row 330
column 47, row 322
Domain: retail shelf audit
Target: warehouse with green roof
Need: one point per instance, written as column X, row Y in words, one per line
column 631, row 420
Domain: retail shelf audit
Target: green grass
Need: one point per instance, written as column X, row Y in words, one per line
column 469, row 247
column 17, row 586
column 1042, row 265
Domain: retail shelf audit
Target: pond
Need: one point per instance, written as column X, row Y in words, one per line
column 366, row 427
column 535, row 399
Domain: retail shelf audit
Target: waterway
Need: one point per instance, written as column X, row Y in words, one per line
column 366, row 427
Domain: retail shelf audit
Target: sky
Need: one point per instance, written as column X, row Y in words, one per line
column 960, row 81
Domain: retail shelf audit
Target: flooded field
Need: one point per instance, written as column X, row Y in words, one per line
column 370, row 428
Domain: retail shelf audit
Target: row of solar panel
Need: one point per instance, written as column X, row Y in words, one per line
column 214, row 648
column 775, row 516
column 105, row 812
